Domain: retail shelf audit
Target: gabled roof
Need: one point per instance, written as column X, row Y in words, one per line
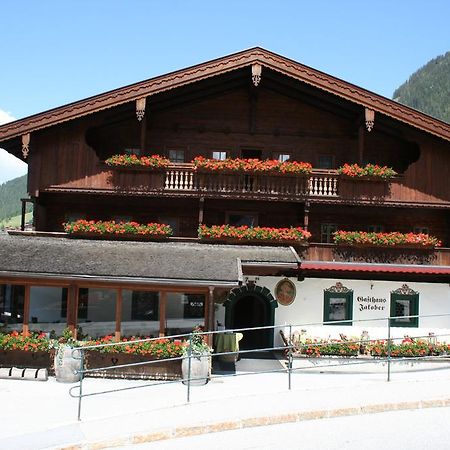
column 220, row 66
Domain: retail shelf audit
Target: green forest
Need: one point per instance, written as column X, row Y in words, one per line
column 10, row 194
column 428, row 89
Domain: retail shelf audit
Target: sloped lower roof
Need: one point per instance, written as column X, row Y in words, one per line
column 143, row 261
column 219, row 66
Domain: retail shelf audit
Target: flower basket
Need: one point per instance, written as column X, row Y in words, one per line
column 153, row 162
column 362, row 239
column 117, row 230
column 252, row 166
column 254, row 235
column 370, row 172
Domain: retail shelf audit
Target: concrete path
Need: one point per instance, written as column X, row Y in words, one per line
column 40, row 415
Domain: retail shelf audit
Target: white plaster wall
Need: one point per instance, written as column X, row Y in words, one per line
column 307, row 310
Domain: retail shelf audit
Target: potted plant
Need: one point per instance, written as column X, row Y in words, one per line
column 67, row 360
column 196, row 365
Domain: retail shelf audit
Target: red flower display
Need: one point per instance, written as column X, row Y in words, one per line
column 269, row 166
column 117, row 228
column 151, row 162
column 253, row 233
column 393, row 239
column 373, row 171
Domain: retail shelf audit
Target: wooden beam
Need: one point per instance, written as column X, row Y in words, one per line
column 72, row 307
column 119, row 298
column 143, row 133
column 162, row 313
column 22, row 219
column 209, row 314
column 26, row 311
column 361, row 133
column 306, row 216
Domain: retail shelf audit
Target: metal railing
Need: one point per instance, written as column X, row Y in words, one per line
column 290, row 347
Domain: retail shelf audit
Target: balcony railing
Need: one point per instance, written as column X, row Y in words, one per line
column 185, row 179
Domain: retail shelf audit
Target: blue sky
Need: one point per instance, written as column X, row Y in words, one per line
column 54, row 52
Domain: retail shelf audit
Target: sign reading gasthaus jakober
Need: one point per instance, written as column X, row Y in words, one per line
column 371, row 303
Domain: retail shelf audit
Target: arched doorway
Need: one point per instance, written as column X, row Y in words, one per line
column 249, row 307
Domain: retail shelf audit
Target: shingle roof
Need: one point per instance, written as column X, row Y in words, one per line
column 133, row 260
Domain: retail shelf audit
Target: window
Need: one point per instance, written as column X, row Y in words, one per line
column 326, row 232
column 176, row 156
column 122, row 219
column 184, row 312
column 194, row 308
column 11, row 303
column 375, row 228
column 338, row 304
column 404, row 302
column 421, row 230
column 282, row 157
column 133, row 151
column 325, row 161
column 219, row 155
column 140, row 313
column 239, row 219
column 172, row 221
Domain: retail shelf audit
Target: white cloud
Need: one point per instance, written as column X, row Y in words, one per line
column 10, row 166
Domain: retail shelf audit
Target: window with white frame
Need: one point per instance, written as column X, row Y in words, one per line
column 219, row 155
column 282, row 156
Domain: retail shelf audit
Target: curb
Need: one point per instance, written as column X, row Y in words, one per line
column 251, row 422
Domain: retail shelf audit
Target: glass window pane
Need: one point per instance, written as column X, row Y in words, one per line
column 48, row 309
column 176, row 156
column 239, row 220
column 403, row 308
column 184, row 312
column 282, row 157
column 97, row 311
column 11, row 305
column 140, row 313
column 337, row 308
column 325, row 162
column 219, row 155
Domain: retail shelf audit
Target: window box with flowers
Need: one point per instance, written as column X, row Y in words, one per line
column 250, row 235
column 386, row 240
column 370, row 172
column 153, row 162
column 117, row 230
column 252, row 166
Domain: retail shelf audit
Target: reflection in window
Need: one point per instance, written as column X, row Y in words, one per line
column 140, row 313
column 184, row 312
column 176, row 156
column 48, row 309
column 404, row 302
column 338, row 304
column 11, row 305
column 219, row 155
column 238, row 220
column 326, row 232
column 97, row 311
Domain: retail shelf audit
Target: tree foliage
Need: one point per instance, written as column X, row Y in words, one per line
column 428, row 89
column 10, row 194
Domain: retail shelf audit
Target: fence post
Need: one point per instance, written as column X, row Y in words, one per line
column 189, row 368
column 290, row 356
column 389, row 351
column 80, row 391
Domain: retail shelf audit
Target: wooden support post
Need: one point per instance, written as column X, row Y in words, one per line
column 209, row 314
column 361, row 132
column 26, row 310
column 117, row 333
column 306, row 216
column 72, row 308
column 24, row 209
column 143, row 133
column 201, row 210
column 162, row 313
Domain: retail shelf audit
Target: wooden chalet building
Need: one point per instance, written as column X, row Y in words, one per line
column 251, row 105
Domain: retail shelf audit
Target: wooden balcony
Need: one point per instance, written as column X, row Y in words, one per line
column 334, row 253
column 183, row 180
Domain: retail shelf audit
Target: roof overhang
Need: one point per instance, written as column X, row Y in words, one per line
column 220, row 66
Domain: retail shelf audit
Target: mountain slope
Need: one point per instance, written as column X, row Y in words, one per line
column 428, row 89
column 10, row 194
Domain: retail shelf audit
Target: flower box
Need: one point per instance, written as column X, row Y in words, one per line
column 27, row 359
column 252, row 166
column 361, row 239
column 160, row 370
column 117, row 230
column 153, row 162
column 370, row 172
column 254, row 235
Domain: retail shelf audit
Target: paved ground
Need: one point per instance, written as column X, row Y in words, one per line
column 38, row 415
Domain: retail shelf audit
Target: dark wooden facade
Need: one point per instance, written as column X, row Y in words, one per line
column 293, row 110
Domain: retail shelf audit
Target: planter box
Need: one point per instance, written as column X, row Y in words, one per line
column 161, row 370
column 270, row 242
column 119, row 237
column 25, row 359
